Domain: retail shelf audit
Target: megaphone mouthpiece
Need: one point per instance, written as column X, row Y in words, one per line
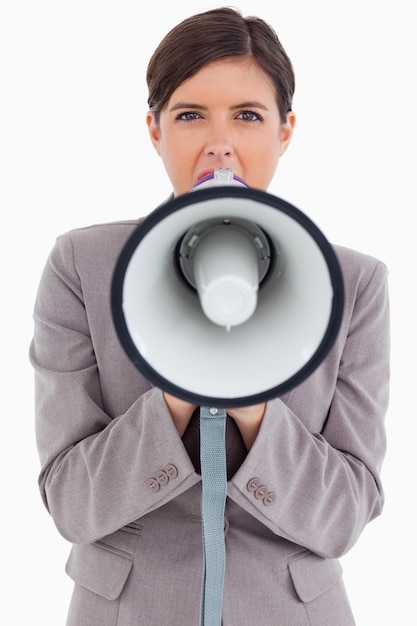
column 219, row 176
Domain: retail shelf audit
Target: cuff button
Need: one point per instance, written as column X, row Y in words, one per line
column 162, row 477
column 152, row 484
column 269, row 498
column 261, row 492
column 253, row 484
column 171, row 470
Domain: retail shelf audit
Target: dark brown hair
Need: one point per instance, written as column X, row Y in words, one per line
column 210, row 36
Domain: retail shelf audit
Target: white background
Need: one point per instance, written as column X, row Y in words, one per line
column 74, row 150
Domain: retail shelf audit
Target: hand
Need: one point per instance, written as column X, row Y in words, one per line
column 248, row 420
column 181, row 411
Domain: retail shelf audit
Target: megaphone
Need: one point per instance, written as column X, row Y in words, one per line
column 227, row 295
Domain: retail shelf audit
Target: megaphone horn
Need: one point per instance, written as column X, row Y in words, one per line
column 227, row 295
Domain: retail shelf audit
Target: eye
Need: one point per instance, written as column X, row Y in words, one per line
column 249, row 116
column 188, row 116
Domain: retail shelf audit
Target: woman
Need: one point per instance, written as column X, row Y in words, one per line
column 120, row 461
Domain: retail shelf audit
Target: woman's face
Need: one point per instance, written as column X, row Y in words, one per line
column 226, row 115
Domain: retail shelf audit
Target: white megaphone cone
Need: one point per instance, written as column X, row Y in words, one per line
column 226, row 257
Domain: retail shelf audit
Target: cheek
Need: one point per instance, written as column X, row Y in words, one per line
column 267, row 148
column 265, row 154
column 175, row 151
column 264, row 162
column 178, row 165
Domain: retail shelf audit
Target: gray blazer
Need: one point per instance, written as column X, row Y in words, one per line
column 125, row 489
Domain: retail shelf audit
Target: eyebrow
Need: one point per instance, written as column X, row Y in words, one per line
column 243, row 105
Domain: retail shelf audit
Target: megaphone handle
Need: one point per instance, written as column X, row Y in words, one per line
column 214, row 483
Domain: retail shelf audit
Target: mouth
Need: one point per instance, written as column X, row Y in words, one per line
column 205, row 174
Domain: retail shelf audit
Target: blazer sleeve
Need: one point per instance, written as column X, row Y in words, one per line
column 99, row 472
column 313, row 473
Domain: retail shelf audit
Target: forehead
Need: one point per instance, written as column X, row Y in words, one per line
column 227, row 79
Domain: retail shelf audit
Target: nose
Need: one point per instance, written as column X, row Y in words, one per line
column 219, row 144
column 219, row 151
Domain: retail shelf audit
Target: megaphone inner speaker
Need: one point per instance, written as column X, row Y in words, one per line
column 225, row 261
